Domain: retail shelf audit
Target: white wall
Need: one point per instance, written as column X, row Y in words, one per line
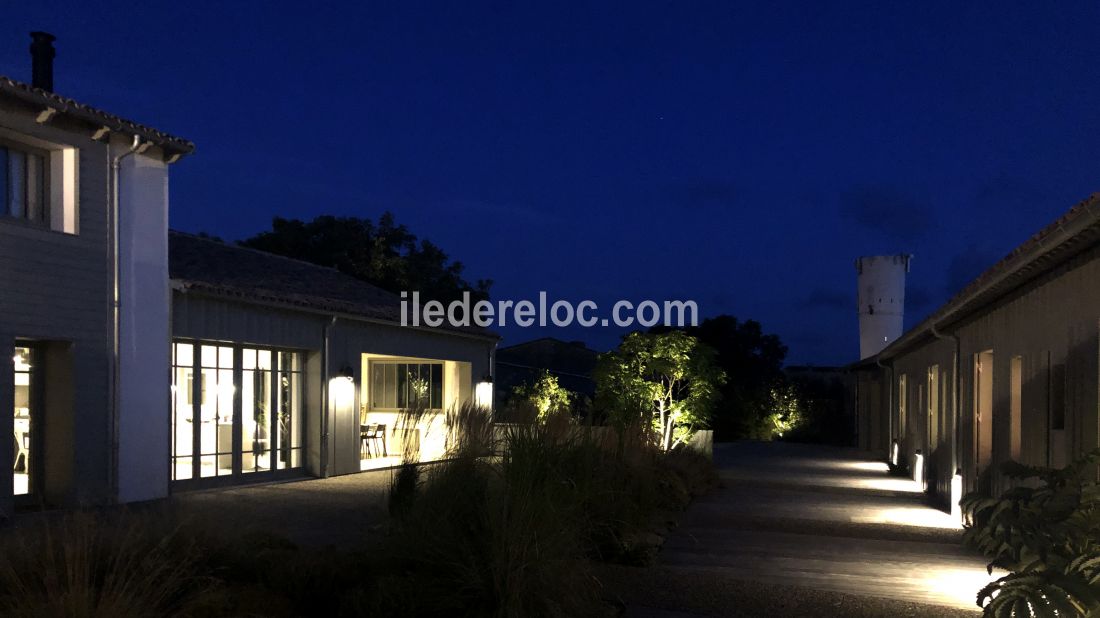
column 144, row 332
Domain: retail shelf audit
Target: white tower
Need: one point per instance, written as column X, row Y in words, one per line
column 881, row 300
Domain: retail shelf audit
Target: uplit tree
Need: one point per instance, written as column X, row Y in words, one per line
column 786, row 412
column 669, row 379
column 752, row 360
column 545, row 394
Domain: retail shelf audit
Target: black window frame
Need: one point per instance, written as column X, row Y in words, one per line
column 45, row 182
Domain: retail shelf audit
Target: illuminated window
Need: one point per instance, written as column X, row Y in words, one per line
column 402, row 385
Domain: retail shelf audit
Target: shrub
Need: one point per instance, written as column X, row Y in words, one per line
column 1047, row 534
column 544, row 393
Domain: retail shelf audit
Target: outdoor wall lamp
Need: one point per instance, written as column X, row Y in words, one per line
column 483, row 393
column 342, row 388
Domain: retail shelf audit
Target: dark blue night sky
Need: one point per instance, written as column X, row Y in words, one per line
column 741, row 155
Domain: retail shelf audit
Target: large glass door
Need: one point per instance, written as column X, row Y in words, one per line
column 237, row 411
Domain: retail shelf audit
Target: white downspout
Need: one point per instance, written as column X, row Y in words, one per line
column 116, row 309
column 325, row 397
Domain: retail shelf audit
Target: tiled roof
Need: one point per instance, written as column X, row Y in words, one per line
column 1073, row 232
column 43, row 98
column 249, row 275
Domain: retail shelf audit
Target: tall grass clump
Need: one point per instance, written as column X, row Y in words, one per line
column 89, row 565
column 469, row 540
column 506, row 525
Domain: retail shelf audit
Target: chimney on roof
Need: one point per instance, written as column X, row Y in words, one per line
column 42, row 54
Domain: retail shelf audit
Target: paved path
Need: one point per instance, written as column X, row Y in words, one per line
column 823, row 519
column 310, row 512
column 795, row 529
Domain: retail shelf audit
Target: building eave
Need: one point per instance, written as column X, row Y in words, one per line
column 275, row 302
column 48, row 105
column 1074, row 232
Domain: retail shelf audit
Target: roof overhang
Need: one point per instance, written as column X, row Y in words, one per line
column 1070, row 235
column 48, row 105
column 275, row 302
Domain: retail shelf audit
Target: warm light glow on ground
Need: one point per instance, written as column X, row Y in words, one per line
column 922, row 516
column 887, row 484
column 959, row 584
column 867, row 466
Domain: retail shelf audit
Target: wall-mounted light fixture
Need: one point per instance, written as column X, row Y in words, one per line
column 341, row 388
column 894, row 453
column 483, row 393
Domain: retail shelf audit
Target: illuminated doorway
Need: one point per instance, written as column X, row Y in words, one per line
column 983, row 411
column 236, row 413
column 25, row 420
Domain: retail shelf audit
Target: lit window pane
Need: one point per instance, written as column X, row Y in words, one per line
column 402, row 385
column 225, row 358
column 183, row 427
column 209, row 356
column 296, row 424
column 185, row 354
column 437, row 386
column 182, row 468
column 377, row 385
column 206, row 466
column 391, row 386
column 225, row 396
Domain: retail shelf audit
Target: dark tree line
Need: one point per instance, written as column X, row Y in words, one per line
column 380, row 252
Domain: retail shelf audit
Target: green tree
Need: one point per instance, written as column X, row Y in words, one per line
column 669, row 378
column 544, row 394
column 383, row 253
column 787, row 410
column 752, row 360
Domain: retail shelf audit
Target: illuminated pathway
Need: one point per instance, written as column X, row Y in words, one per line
column 826, row 519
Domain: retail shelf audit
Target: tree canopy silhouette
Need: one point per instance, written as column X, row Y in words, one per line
column 383, row 253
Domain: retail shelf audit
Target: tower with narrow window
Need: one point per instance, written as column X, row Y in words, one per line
column 880, row 298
